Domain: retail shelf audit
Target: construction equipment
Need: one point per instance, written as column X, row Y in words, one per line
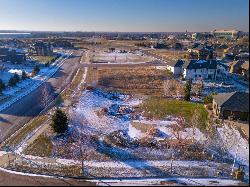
column 239, row 173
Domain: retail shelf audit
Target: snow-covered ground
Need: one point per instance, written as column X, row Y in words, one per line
column 235, row 144
column 88, row 122
column 218, row 87
column 117, row 57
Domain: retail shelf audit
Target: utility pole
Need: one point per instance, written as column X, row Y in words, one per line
column 81, row 156
column 171, row 165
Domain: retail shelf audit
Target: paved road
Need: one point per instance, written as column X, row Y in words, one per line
column 9, row 179
column 14, row 117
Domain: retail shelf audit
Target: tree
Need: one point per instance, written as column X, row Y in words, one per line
column 59, row 122
column 14, row 80
column 45, row 96
column 178, row 129
column 187, row 90
column 208, row 99
column 195, row 120
column 35, row 70
column 172, row 87
column 16, row 77
column 24, row 75
column 2, row 86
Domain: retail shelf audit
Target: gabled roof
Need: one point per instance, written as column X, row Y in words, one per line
column 201, row 64
column 174, row 63
column 234, row 101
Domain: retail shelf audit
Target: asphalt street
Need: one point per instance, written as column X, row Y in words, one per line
column 21, row 112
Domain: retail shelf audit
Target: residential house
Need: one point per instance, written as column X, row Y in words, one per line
column 202, row 51
column 175, row 67
column 240, row 67
column 234, row 105
column 14, row 56
column 41, row 49
column 200, row 69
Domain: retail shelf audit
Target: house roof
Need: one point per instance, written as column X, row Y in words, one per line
column 240, row 63
column 201, row 64
column 245, row 65
column 234, row 101
column 175, row 63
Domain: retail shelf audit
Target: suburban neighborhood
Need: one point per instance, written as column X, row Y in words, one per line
column 124, row 108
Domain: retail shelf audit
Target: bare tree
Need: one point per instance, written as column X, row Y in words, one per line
column 178, row 129
column 172, row 87
column 195, row 120
column 45, row 96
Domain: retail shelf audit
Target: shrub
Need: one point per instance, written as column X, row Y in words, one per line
column 209, row 98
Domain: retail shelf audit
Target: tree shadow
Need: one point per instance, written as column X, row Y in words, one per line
column 130, row 159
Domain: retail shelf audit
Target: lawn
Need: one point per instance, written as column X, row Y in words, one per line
column 44, row 59
column 161, row 108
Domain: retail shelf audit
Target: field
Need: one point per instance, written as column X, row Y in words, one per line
column 167, row 54
column 147, row 81
column 118, row 57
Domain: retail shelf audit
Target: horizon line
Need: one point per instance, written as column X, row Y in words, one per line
column 67, row 31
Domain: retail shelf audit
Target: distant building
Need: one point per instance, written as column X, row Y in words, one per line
column 226, row 33
column 7, row 54
column 63, row 44
column 201, row 36
column 42, row 49
column 200, row 69
column 203, row 52
column 234, row 105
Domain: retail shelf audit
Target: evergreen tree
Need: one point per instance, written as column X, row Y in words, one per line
column 14, row 80
column 35, row 70
column 2, row 86
column 187, row 90
column 16, row 77
column 24, row 75
column 59, row 121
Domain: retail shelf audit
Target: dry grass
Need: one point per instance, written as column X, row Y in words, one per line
column 170, row 54
column 35, row 123
column 42, row 146
column 148, row 81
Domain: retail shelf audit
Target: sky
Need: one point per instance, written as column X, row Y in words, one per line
column 124, row 15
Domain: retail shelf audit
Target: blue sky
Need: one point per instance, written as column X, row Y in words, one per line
column 124, row 15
